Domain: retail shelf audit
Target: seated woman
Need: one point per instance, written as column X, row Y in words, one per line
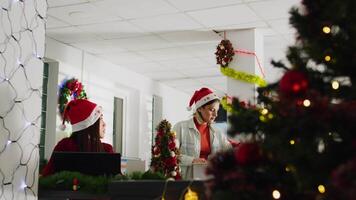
column 88, row 127
column 197, row 138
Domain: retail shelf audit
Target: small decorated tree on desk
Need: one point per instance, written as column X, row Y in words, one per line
column 165, row 154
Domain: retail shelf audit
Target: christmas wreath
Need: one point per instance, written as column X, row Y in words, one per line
column 224, row 53
column 69, row 90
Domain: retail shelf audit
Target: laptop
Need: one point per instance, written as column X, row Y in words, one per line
column 91, row 163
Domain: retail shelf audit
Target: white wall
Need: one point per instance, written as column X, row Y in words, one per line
column 21, row 74
column 103, row 80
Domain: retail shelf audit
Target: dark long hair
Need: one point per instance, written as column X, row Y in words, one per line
column 88, row 140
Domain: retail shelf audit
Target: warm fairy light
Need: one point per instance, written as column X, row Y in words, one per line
column 276, row 194
column 262, row 118
column 326, row 29
column 321, row 189
column 335, row 85
column 9, row 142
column 327, row 58
column 270, row 116
column 287, row 169
column 191, row 195
column 291, row 142
column 264, row 111
column 306, row 102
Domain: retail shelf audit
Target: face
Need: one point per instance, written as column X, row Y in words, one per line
column 102, row 126
column 209, row 112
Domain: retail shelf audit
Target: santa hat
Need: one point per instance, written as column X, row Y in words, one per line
column 201, row 97
column 81, row 113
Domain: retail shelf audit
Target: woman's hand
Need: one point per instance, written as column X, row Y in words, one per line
column 199, row 161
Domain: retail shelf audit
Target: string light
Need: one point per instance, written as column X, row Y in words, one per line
column 335, row 85
column 326, row 29
column 264, row 111
column 321, row 189
column 19, row 183
column 327, row 58
column 276, row 194
column 191, row 195
column 27, row 124
column 306, row 102
column 262, row 118
column 292, row 142
column 287, row 169
column 23, row 185
column 270, row 116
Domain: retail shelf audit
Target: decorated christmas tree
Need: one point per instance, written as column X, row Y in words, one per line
column 165, row 154
column 301, row 142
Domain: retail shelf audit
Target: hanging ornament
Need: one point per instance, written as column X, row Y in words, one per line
column 293, row 83
column 75, row 184
column 191, row 195
column 248, row 153
column 224, row 53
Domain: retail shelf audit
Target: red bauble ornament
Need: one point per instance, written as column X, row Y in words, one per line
column 171, row 162
column 171, row 145
column 248, row 153
column 293, row 83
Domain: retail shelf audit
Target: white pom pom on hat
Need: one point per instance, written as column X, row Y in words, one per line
column 201, row 97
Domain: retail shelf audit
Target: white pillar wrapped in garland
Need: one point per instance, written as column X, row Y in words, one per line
column 245, row 43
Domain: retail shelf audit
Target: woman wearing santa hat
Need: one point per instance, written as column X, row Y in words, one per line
column 88, row 127
column 197, row 137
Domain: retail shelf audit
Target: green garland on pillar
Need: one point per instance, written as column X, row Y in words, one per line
column 243, row 76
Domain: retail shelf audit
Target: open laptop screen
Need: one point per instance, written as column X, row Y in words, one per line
column 92, row 163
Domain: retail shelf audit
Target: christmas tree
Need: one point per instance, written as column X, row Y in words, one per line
column 301, row 134
column 165, row 154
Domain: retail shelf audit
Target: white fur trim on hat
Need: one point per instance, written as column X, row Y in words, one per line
column 206, row 99
column 93, row 117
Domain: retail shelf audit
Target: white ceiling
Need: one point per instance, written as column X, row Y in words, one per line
column 171, row 41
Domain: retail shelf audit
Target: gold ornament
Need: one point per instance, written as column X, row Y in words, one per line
column 191, row 195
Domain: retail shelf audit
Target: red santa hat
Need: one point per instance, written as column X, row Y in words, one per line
column 201, row 97
column 81, row 113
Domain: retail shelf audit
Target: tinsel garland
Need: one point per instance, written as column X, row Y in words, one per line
column 243, row 76
column 226, row 105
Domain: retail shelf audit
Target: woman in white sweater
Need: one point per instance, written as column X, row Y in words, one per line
column 197, row 138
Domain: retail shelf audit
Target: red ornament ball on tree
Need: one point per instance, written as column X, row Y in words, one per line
column 248, row 153
column 293, row 83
